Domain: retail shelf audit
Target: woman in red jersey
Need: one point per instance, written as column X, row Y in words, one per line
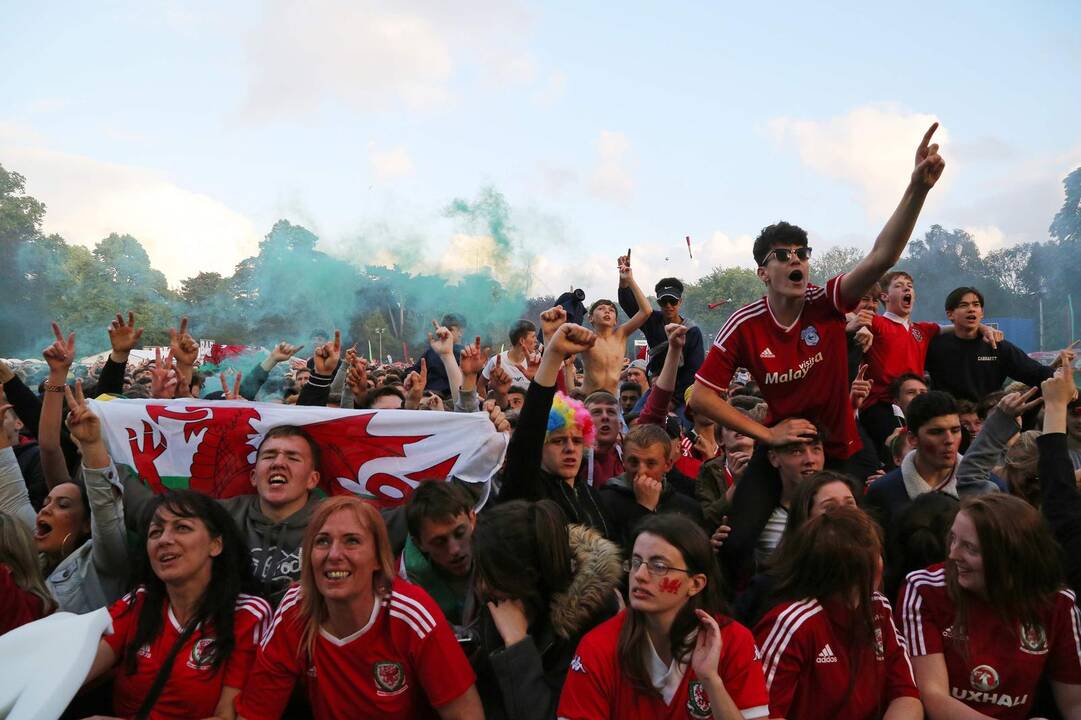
column 830, row 648
column 365, row 643
column 673, row 653
column 984, row 627
column 184, row 639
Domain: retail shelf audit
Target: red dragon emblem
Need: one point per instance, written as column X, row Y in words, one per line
column 220, row 466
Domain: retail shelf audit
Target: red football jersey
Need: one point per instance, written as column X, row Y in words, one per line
column 896, row 350
column 812, row 672
column 802, row 370
column 194, row 687
column 596, row 688
column 403, row 663
column 1004, row 659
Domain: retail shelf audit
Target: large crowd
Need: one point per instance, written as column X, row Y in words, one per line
column 832, row 510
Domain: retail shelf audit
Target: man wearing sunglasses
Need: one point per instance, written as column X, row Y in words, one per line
column 794, row 345
column 669, row 293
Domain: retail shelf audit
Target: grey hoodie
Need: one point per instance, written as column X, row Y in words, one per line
column 274, row 547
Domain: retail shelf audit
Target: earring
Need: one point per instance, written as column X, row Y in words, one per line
column 62, row 542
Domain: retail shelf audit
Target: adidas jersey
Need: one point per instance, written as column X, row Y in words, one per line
column 1004, row 659
column 802, row 370
column 194, row 687
column 896, row 350
column 596, row 689
column 403, row 663
column 808, row 662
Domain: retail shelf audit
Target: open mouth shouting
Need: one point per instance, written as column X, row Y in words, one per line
column 796, row 276
column 906, row 300
column 42, row 530
column 277, row 479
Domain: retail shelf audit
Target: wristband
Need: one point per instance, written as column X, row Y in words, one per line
column 53, row 388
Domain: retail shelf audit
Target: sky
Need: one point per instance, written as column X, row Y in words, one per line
column 194, row 126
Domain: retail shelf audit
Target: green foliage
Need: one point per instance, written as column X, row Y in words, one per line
column 741, row 285
column 290, row 290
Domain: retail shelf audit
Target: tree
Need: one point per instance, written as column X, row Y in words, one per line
column 833, row 262
column 1066, row 227
column 736, row 284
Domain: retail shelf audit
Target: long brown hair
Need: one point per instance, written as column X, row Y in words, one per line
column 1022, row 567
column 18, row 553
column 835, row 556
column 313, row 608
column 693, row 544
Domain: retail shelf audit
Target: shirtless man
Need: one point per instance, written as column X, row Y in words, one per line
column 604, row 361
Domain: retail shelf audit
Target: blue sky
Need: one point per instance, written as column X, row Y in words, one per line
column 194, row 126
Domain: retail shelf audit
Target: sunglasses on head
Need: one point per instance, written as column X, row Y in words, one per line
column 784, row 254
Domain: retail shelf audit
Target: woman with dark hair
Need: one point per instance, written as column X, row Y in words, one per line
column 823, row 491
column 546, row 583
column 366, row 643
column 673, row 653
column 79, row 532
column 184, row 639
column 989, row 624
column 919, row 537
column 830, row 648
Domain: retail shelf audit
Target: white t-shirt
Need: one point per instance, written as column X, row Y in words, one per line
column 517, row 374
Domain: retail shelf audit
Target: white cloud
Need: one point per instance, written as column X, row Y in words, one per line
column 871, row 148
column 391, row 164
column 612, row 178
column 378, row 55
column 988, row 238
column 596, row 273
column 183, row 232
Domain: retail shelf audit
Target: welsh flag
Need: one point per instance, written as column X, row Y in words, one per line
column 380, row 455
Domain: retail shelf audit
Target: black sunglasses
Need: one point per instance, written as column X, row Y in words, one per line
column 784, row 254
column 668, row 300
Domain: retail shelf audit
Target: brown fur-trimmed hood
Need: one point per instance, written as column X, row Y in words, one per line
column 598, row 567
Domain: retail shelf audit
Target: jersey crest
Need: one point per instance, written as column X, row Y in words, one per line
column 698, row 706
column 810, row 336
column 1033, row 639
column 917, row 335
column 202, row 654
column 389, row 678
column 984, row 678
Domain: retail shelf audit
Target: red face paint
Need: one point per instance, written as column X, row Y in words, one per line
column 670, row 585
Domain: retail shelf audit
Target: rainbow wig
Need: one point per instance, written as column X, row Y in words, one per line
column 567, row 413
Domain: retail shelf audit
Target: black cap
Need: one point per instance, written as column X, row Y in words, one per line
column 669, row 287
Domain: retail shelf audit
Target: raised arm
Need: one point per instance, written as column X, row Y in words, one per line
column 520, row 474
column 639, row 318
column 185, row 351
column 23, row 400
column 123, row 337
column 442, row 342
column 894, row 236
column 655, row 411
column 59, row 357
column 258, row 375
column 973, row 474
column 325, row 358
column 473, row 361
column 1061, row 501
column 110, row 552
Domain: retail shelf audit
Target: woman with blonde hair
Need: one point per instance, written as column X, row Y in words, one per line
column 366, row 643
column 23, row 595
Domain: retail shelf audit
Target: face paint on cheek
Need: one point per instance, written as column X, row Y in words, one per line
column 670, row 585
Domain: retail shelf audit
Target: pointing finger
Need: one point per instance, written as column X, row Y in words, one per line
column 337, row 341
column 927, row 135
column 184, row 325
column 56, row 331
